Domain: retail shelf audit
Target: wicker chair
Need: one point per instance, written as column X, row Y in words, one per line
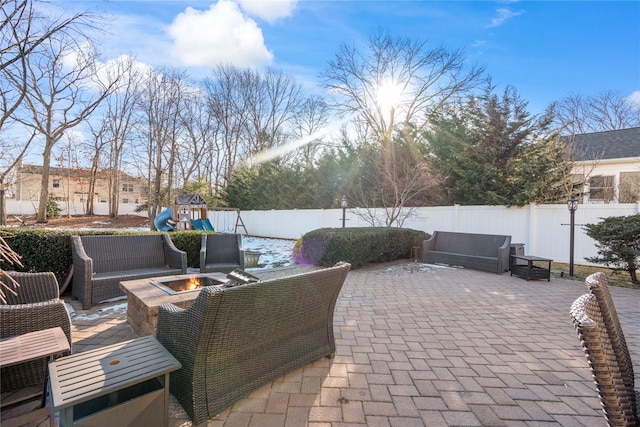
column 35, row 307
column 618, row 401
column 232, row 341
column 597, row 284
column 221, row 252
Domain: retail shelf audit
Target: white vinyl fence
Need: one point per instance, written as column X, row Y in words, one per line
column 543, row 229
column 26, row 207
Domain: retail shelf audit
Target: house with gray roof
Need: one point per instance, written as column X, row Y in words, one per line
column 607, row 164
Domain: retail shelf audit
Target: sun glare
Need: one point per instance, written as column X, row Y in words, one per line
column 388, row 95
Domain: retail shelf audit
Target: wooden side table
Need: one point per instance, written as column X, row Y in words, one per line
column 529, row 270
column 32, row 346
column 125, row 384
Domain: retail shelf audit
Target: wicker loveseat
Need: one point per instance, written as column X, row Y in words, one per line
column 231, row 341
column 488, row 252
column 35, row 307
column 100, row 263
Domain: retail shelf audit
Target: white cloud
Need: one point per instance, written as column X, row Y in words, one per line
column 220, row 35
column 269, row 10
column 503, row 15
column 634, row 98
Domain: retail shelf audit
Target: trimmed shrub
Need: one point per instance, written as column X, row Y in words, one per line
column 50, row 250
column 189, row 241
column 358, row 246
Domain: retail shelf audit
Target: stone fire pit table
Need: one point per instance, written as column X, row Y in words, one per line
column 144, row 298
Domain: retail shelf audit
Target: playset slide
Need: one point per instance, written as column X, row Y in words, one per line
column 161, row 221
column 202, row 224
column 206, row 224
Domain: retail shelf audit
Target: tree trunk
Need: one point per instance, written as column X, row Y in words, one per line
column 44, row 183
column 3, row 208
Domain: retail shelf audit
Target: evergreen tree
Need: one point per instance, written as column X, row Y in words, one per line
column 492, row 152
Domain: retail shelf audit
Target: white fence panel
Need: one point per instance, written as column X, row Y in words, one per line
column 543, row 229
column 27, row 207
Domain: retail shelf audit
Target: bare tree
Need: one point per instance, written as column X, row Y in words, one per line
column 119, row 122
column 312, row 116
column 396, row 85
column 396, row 80
column 160, row 103
column 63, row 91
column 199, row 149
column 22, row 31
column 606, row 110
column 226, row 103
column 95, row 150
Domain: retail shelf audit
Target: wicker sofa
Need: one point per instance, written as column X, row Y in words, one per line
column 488, row 252
column 100, row 263
column 233, row 340
column 35, row 307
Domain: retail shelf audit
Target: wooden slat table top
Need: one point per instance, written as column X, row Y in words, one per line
column 85, row 376
column 32, row 346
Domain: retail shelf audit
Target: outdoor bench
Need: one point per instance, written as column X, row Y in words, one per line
column 487, row 252
column 100, row 263
column 231, row 341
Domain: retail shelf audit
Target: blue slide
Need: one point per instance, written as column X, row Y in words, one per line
column 161, row 220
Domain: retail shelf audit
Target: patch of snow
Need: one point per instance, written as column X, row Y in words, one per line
column 273, row 252
column 414, row 267
column 102, row 312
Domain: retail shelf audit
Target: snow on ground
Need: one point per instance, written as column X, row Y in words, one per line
column 273, row 252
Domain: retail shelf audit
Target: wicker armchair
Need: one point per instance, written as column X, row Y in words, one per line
column 37, row 306
column 618, row 401
column 221, row 252
column 232, row 341
column 597, row 284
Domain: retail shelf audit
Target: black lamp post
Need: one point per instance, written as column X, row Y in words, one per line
column 343, row 204
column 572, row 204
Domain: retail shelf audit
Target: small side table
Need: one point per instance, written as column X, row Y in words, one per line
column 125, row 384
column 530, row 270
column 32, row 346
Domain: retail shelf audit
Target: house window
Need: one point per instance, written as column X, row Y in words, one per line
column 125, row 200
column 601, row 188
column 629, row 187
column 127, row 188
column 56, row 183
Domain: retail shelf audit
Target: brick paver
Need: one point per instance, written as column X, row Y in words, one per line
column 419, row 345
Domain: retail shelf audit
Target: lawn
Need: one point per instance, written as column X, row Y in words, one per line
column 580, row 272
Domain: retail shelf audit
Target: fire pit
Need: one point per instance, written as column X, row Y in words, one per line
column 144, row 296
column 173, row 286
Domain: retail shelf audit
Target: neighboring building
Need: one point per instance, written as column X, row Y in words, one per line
column 73, row 184
column 607, row 164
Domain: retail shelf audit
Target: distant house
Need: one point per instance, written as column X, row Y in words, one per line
column 73, row 184
column 607, row 165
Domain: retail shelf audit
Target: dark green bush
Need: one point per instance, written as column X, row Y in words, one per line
column 50, row 250
column 358, row 246
column 189, row 241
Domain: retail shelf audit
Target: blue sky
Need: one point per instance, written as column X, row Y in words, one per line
column 547, row 50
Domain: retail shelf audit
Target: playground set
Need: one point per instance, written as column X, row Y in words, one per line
column 190, row 213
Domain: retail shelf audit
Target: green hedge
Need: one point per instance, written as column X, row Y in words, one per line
column 189, row 241
column 358, row 246
column 50, row 250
